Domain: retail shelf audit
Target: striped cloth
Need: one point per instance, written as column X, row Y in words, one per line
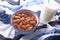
column 51, row 31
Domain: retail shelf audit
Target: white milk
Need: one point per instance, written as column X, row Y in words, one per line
column 48, row 11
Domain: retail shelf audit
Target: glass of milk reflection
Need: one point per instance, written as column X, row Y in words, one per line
column 49, row 10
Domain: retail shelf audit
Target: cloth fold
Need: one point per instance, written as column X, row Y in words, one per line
column 7, row 30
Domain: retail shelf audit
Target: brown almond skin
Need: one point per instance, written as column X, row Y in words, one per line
column 32, row 17
column 20, row 23
column 22, row 18
column 29, row 28
column 19, row 27
column 25, row 15
column 16, row 16
column 23, row 27
column 32, row 22
column 28, row 20
column 22, row 14
column 16, row 20
column 27, row 25
column 24, row 22
column 15, row 24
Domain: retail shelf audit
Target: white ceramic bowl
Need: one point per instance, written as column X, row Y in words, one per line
column 23, row 11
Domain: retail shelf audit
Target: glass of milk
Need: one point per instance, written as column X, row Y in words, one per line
column 48, row 11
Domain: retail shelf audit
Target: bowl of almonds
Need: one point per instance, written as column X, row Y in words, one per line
column 24, row 20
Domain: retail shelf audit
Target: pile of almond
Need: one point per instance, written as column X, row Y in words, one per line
column 24, row 21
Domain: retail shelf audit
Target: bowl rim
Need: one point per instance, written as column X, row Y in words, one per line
column 29, row 11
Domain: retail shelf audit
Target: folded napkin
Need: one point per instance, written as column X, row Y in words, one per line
column 7, row 30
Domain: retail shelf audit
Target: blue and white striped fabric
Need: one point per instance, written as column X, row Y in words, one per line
column 7, row 31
